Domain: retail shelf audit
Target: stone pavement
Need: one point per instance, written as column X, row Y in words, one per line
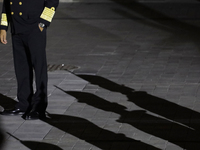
column 136, row 85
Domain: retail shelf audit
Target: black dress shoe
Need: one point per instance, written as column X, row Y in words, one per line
column 12, row 112
column 34, row 115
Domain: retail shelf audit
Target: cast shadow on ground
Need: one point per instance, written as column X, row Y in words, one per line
column 179, row 125
column 155, row 17
column 2, row 138
column 95, row 135
column 149, row 102
column 6, row 102
column 158, row 15
column 33, row 145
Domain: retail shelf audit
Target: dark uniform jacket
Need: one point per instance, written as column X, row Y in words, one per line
column 23, row 15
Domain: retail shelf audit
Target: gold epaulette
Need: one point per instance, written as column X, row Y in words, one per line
column 4, row 20
column 48, row 13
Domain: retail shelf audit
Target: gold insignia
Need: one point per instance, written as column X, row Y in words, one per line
column 48, row 14
column 11, row 3
column 4, row 21
column 20, row 13
column 12, row 13
column 20, row 3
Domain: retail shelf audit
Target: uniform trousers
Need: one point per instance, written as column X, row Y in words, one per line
column 30, row 63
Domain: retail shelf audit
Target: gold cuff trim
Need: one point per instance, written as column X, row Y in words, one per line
column 4, row 21
column 48, row 14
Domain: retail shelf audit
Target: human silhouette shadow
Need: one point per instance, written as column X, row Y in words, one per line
column 93, row 134
column 1, row 138
column 163, row 128
column 149, row 102
column 6, row 102
column 33, row 145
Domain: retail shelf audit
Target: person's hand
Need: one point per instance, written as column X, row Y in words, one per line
column 3, row 36
column 41, row 29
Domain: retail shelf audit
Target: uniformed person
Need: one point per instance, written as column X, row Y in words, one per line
column 28, row 20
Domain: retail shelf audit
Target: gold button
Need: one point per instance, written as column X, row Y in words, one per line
column 20, row 13
column 12, row 13
column 20, row 3
column 11, row 3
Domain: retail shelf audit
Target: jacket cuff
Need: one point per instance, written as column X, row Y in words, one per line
column 3, row 27
column 45, row 22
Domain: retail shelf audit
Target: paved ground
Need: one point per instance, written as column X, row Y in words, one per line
column 136, row 86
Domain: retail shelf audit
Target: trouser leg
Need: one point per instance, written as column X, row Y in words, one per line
column 24, row 73
column 37, row 46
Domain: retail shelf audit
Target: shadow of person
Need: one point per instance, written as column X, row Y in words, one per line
column 33, row 145
column 1, row 138
column 163, row 128
column 7, row 102
column 93, row 134
column 176, row 133
column 159, row 106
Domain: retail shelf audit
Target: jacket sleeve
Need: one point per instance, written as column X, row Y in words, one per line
column 49, row 11
column 5, row 16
